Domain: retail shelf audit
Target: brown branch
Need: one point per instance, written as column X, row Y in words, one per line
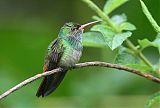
column 80, row 65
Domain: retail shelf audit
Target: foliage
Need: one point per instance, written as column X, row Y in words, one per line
column 116, row 30
column 155, row 98
column 112, row 5
column 97, row 41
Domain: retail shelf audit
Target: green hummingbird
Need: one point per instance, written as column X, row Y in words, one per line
column 65, row 51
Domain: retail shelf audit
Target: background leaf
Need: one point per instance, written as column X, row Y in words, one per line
column 124, row 57
column 119, row 19
column 127, row 58
column 112, row 5
column 153, row 99
column 93, row 39
column 113, row 40
column 127, row 26
column 145, row 43
column 156, row 42
column 96, row 18
column 118, row 39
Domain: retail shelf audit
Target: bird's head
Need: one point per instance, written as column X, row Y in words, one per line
column 73, row 29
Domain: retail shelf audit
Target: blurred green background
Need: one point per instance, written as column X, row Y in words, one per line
column 26, row 29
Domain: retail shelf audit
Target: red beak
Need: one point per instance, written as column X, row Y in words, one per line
column 88, row 24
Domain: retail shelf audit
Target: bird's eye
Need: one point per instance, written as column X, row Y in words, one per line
column 73, row 28
column 68, row 25
column 78, row 25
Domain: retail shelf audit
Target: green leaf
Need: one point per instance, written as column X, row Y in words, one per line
column 127, row 58
column 97, row 18
column 155, row 98
column 93, row 39
column 156, row 69
column 144, row 43
column 119, row 19
column 112, row 5
column 113, row 40
column 149, row 16
column 124, row 57
column 127, row 26
column 118, row 39
column 156, row 42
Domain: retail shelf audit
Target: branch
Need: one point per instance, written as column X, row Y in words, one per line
column 80, row 65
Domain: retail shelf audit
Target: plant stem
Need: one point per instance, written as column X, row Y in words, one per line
column 115, row 28
column 138, row 53
column 149, row 17
column 101, row 14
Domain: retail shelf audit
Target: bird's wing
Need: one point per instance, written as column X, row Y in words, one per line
column 54, row 53
column 50, row 83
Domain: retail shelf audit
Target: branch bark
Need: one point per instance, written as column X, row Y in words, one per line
column 80, row 65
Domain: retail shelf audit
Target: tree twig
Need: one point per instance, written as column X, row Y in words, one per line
column 80, row 65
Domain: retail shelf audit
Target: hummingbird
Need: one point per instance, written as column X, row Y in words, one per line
column 65, row 51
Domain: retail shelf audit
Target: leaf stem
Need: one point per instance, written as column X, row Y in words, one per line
column 106, row 18
column 138, row 53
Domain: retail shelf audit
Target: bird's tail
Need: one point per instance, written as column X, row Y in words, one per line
column 50, row 83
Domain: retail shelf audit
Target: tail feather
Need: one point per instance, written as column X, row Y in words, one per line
column 50, row 83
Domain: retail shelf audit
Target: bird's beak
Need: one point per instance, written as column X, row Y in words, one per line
column 88, row 24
